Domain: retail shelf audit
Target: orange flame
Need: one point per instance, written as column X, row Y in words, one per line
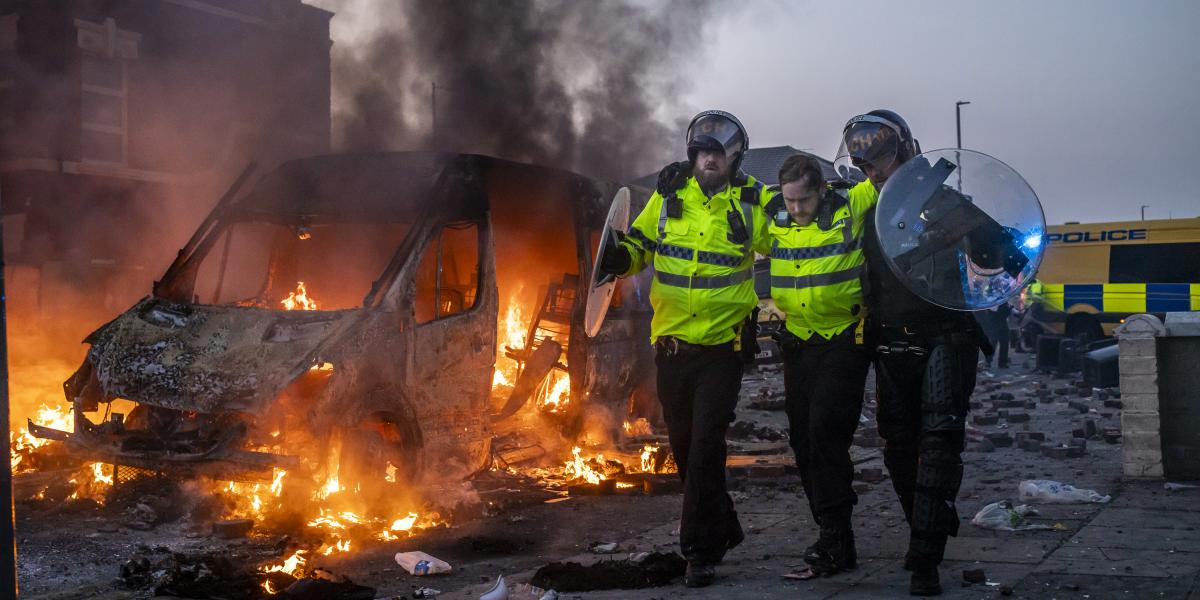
column 299, row 300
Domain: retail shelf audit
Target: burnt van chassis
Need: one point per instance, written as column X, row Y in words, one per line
column 214, row 385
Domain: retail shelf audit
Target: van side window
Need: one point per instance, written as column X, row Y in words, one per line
column 1154, row 263
column 447, row 281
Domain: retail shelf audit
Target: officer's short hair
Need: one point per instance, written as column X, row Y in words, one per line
column 801, row 167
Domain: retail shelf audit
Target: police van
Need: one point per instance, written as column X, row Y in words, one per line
column 1095, row 275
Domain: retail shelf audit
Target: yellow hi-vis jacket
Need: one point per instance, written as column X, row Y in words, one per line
column 703, row 287
column 816, row 275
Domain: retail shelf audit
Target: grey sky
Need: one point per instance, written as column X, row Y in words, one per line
column 1097, row 104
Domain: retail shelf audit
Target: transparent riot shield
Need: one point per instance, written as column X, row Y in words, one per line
column 960, row 229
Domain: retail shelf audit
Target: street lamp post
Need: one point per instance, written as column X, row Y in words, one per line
column 1144, row 207
column 958, row 119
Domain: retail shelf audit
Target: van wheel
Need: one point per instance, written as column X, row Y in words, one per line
column 1084, row 328
column 384, row 438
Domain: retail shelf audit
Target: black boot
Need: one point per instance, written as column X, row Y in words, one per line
column 924, row 581
column 699, row 574
column 833, row 552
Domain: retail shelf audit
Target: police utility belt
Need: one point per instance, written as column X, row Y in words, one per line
column 673, row 346
column 921, row 340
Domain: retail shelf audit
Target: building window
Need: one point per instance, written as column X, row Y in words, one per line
column 104, row 109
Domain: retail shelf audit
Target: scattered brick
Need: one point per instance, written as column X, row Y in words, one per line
column 986, row 419
column 974, row 576
column 1018, row 417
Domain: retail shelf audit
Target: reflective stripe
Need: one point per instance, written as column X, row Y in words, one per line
column 814, row 251
column 640, row 238
column 819, row 279
column 674, row 251
column 718, row 259
column 700, row 282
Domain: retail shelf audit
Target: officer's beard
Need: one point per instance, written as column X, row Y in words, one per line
column 711, row 183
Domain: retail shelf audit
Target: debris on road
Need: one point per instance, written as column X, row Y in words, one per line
column 1050, row 492
column 1003, row 516
column 656, row 569
column 421, row 564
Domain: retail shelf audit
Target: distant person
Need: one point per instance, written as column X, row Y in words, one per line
column 924, row 365
column 994, row 322
column 700, row 230
column 816, row 266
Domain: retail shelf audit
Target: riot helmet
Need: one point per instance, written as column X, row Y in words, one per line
column 880, row 138
column 718, row 130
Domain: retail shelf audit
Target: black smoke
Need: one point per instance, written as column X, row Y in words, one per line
column 575, row 84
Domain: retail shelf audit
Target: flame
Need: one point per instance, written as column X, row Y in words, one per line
column 98, row 474
column 277, row 482
column 560, row 392
column 511, row 332
column 299, row 300
column 21, row 444
column 639, row 428
column 390, row 477
column 292, row 565
column 578, row 469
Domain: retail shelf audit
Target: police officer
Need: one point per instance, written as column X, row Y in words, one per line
column 700, row 230
column 816, row 265
column 924, row 365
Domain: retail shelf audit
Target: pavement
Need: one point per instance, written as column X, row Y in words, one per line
column 1144, row 543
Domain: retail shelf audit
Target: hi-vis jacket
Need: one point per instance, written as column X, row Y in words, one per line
column 816, row 275
column 703, row 285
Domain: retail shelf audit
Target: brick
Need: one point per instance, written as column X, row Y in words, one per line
column 1057, row 452
column 1031, row 435
column 986, row 419
column 1139, row 384
column 1018, row 417
column 1140, row 422
column 1138, row 365
column 1000, row 439
column 235, row 528
column 1110, row 403
column 1030, row 445
column 1139, row 346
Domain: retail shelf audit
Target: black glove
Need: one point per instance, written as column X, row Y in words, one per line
column 616, row 259
column 673, row 177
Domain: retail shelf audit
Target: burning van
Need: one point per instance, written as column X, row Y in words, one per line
column 362, row 307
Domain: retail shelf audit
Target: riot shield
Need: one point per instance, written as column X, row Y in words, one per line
column 960, row 229
column 601, row 286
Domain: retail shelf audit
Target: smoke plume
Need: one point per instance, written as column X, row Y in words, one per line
column 588, row 86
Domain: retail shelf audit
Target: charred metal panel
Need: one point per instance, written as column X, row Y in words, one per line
column 208, row 359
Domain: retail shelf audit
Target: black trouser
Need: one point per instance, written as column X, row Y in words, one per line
column 824, row 382
column 923, row 402
column 699, row 391
column 995, row 326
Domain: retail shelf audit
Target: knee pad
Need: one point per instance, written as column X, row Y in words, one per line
column 943, row 403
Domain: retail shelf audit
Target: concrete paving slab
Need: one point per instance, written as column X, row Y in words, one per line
column 1148, row 518
column 1138, row 538
column 1099, row 587
column 892, row 581
column 1087, row 560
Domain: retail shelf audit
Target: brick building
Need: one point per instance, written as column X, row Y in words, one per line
column 122, row 120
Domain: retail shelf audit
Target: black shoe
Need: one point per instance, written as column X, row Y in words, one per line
column 925, row 582
column 699, row 574
column 833, row 552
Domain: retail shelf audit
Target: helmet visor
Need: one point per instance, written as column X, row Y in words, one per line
column 715, row 132
column 868, row 141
